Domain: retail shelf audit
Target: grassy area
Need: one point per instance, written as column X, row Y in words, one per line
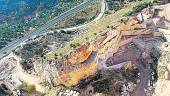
column 97, row 28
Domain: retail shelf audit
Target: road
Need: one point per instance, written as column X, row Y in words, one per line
column 100, row 15
column 13, row 45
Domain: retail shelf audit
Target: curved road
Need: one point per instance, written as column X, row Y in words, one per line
column 100, row 15
column 13, row 45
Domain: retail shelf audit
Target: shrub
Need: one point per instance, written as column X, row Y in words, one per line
column 77, row 44
column 31, row 88
column 161, row 71
column 138, row 8
column 23, row 62
column 87, row 38
column 61, row 54
column 56, row 56
column 107, row 12
column 156, row 1
column 112, row 5
column 74, row 45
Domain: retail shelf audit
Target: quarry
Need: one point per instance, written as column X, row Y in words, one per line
column 120, row 62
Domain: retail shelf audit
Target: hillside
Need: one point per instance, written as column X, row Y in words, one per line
column 124, row 53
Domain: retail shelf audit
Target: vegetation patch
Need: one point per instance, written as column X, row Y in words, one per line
column 18, row 23
column 75, row 45
column 41, row 45
column 161, row 72
column 84, row 16
column 31, row 88
column 33, row 49
column 117, row 5
column 139, row 7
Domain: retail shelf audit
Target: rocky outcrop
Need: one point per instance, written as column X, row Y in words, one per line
column 73, row 77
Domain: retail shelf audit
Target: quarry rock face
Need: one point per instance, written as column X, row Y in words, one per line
column 77, row 65
column 79, row 55
column 131, row 43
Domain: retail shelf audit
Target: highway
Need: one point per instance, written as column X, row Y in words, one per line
column 13, row 45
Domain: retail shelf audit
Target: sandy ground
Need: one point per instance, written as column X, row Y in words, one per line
column 163, row 88
column 25, row 77
column 29, row 79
